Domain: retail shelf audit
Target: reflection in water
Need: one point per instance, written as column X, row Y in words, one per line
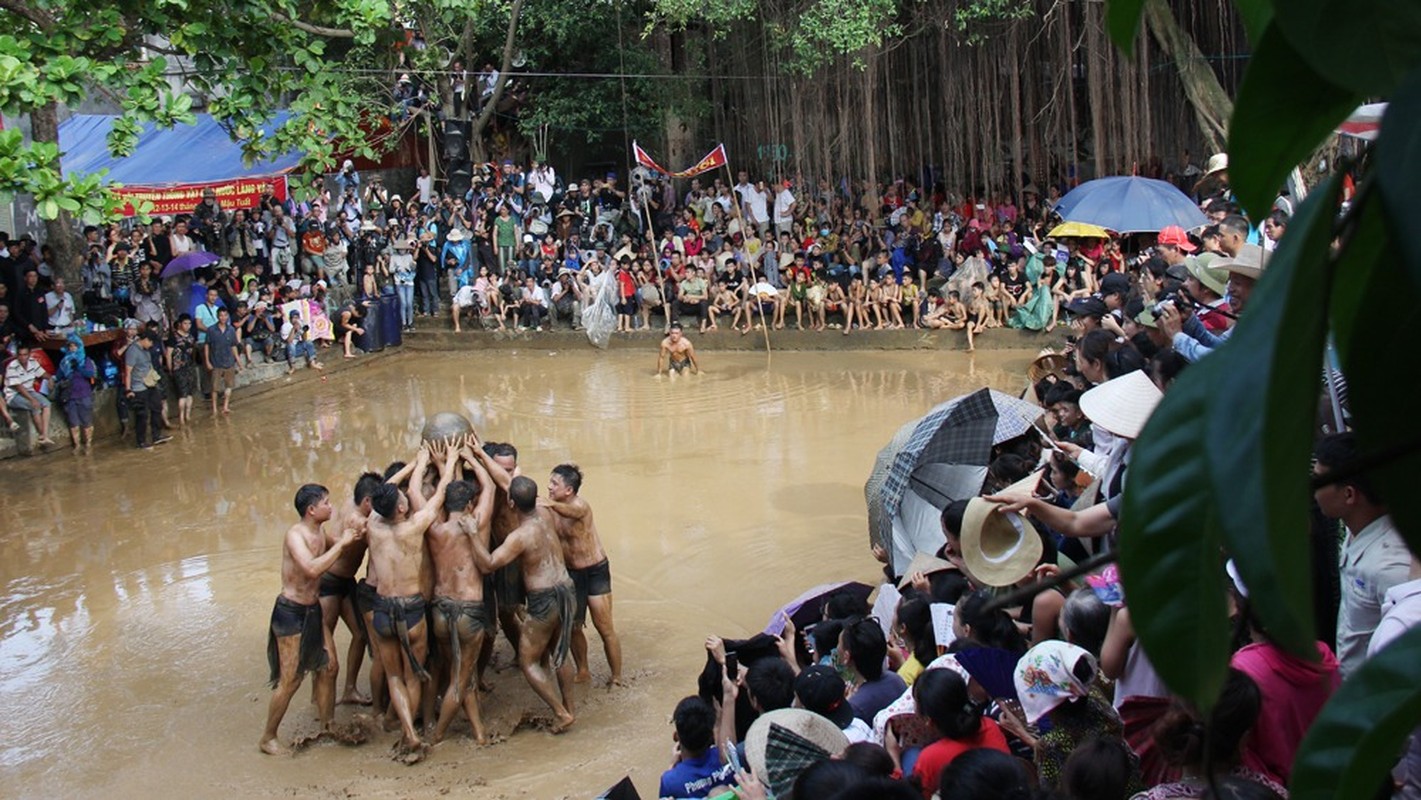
column 135, row 587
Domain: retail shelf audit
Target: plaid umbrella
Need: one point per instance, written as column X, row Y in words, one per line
column 934, row 461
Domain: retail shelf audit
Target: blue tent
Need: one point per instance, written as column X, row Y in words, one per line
column 184, row 154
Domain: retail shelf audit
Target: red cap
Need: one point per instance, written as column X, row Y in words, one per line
column 1175, row 235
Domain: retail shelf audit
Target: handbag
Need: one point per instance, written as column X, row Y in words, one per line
column 151, row 379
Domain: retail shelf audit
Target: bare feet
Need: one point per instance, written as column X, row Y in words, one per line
column 564, row 721
column 615, row 680
column 353, row 697
column 582, row 677
column 273, row 748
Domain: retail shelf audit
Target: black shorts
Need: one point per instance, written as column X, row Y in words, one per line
column 592, row 581
column 337, row 586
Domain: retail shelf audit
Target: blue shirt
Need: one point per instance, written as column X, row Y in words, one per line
column 696, row 777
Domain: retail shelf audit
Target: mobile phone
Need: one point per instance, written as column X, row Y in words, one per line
column 734, row 755
column 732, row 665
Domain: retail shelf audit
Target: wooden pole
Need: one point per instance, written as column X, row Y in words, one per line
column 744, row 232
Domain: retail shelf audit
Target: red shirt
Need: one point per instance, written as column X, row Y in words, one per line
column 942, row 752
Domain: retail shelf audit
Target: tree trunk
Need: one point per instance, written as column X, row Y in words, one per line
column 60, row 233
column 477, row 152
column 1212, row 106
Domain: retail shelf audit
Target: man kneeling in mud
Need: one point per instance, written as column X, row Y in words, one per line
column 548, row 617
column 297, row 641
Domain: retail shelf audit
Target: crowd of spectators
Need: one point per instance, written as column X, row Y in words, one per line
column 940, row 689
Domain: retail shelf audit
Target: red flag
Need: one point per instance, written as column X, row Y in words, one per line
column 715, row 159
column 645, row 160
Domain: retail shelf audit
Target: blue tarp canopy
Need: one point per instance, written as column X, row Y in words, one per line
column 184, row 154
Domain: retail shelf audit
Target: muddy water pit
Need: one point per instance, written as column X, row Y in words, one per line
column 138, row 585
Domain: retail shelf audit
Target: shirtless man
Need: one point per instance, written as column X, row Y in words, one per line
column 587, row 564
column 500, row 459
column 548, row 616
column 396, row 532
column 677, row 352
column 461, row 619
column 339, row 588
column 367, row 588
column 297, row 641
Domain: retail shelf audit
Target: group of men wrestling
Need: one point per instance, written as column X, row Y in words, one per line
column 450, row 562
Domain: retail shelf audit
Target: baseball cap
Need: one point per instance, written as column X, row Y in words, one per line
column 1114, row 283
column 821, row 690
column 1087, row 307
column 1175, row 236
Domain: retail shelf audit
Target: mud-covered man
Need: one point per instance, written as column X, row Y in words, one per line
column 297, row 641
column 396, row 533
column 547, row 616
column 588, row 565
column 461, row 618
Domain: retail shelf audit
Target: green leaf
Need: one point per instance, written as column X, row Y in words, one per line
column 1369, row 311
column 1256, row 15
column 1259, row 440
column 1170, row 541
column 1366, row 46
column 1354, row 742
column 1122, row 21
column 1284, row 111
column 1398, row 152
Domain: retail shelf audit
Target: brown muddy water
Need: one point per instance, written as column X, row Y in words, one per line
column 137, row 586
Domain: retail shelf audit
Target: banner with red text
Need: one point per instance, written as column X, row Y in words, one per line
column 715, row 159
column 182, row 199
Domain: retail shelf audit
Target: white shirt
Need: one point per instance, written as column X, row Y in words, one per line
column 858, row 731
column 759, row 203
column 783, row 201
column 425, row 184
column 61, row 309
column 18, row 374
column 543, row 180
column 537, row 295
column 1373, row 561
column 1401, row 611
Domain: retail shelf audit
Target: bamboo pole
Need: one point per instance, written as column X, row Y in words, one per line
column 740, row 215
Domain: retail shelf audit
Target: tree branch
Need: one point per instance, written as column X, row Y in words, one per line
column 38, row 16
column 317, row 30
column 509, row 41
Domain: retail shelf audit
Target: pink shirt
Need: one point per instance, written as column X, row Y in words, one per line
column 1294, row 691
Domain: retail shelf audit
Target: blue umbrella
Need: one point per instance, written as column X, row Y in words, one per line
column 187, row 262
column 1130, row 205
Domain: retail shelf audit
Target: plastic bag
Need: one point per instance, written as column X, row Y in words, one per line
column 600, row 316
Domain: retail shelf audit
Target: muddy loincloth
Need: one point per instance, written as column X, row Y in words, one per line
column 394, row 616
column 364, row 601
column 592, row 581
column 508, row 587
column 560, row 600
column 463, row 619
column 290, row 618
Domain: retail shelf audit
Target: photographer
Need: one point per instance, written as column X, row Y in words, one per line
column 296, row 335
column 208, row 222
column 1188, row 335
column 348, row 180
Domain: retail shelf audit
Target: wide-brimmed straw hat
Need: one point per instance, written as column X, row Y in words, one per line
column 1123, row 405
column 1250, row 262
column 1048, row 364
column 924, row 563
column 456, row 235
column 785, row 742
column 998, row 549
